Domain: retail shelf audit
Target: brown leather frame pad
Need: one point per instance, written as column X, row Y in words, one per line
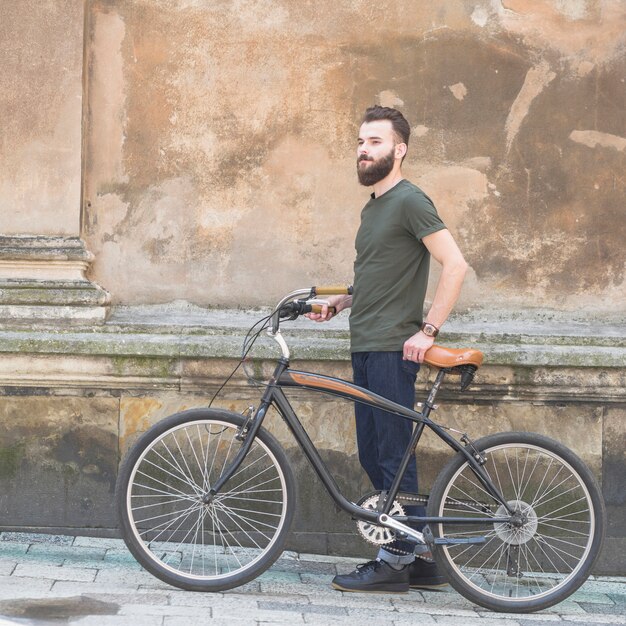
column 321, row 382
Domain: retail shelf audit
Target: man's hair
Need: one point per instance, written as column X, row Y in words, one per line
column 399, row 124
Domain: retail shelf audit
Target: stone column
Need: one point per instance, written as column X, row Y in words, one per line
column 42, row 258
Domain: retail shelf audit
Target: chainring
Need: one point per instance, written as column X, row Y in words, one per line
column 372, row 533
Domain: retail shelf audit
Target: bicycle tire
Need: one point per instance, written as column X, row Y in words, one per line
column 534, row 566
column 177, row 536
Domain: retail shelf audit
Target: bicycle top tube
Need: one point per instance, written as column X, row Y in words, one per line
column 343, row 389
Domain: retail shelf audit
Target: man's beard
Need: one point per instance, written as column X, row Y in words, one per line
column 375, row 172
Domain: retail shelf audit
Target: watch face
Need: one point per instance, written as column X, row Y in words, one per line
column 429, row 330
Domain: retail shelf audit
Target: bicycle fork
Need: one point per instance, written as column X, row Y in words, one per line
column 247, row 439
column 249, row 430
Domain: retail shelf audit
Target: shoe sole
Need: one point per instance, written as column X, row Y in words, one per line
column 340, row 588
column 426, row 586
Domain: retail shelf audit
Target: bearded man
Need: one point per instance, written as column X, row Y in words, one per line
column 389, row 334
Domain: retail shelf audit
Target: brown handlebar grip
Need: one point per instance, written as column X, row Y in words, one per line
column 317, row 308
column 333, row 290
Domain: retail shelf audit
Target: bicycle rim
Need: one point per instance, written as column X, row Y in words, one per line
column 537, row 560
column 187, row 534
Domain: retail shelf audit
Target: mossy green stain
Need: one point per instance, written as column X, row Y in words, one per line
column 10, row 459
column 155, row 367
column 70, row 473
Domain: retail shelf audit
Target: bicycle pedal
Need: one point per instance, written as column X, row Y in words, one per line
column 450, row 541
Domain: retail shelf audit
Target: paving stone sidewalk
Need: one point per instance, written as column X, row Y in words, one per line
column 52, row 580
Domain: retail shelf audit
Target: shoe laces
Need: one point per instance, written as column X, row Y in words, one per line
column 366, row 567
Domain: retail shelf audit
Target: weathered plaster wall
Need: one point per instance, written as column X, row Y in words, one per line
column 221, row 137
column 219, row 168
column 41, row 48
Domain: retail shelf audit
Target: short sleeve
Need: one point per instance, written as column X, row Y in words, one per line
column 420, row 215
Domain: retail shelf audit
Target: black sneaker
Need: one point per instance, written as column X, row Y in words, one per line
column 374, row 577
column 424, row 574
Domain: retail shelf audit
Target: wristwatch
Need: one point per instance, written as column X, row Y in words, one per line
column 430, row 330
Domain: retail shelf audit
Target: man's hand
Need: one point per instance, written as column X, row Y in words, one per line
column 339, row 302
column 415, row 347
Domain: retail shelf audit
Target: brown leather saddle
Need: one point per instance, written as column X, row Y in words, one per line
column 440, row 357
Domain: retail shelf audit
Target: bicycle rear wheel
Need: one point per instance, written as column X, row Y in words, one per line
column 172, row 525
column 549, row 553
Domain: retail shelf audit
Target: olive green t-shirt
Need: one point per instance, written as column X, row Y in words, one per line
column 391, row 268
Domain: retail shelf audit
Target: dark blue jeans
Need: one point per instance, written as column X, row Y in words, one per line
column 382, row 437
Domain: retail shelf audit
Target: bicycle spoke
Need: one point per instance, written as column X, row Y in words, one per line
column 575, row 532
column 233, row 508
column 547, row 489
column 176, row 463
column 224, row 536
column 232, row 513
column 154, row 504
column 558, row 495
column 160, row 482
column 195, row 456
column 183, row 496
column 184, row 479
column 182, row 517
column 267, row 469
column 566, row 517
column 234, row 519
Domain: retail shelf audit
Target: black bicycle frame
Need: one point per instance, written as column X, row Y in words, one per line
column 274, row 395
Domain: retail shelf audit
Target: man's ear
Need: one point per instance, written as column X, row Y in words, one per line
column 400, row 150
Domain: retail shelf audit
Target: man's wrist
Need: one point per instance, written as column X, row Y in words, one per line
column 346, row 303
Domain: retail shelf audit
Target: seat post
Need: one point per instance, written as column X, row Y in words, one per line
column 429, row 405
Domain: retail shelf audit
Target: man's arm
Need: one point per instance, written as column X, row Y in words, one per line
column 443, row 248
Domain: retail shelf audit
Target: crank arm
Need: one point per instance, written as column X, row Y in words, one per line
column 389, row 522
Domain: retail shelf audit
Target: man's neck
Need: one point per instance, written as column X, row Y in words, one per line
column 387, row 183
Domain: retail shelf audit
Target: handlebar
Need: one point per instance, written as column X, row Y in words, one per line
column 300, row 307
column 290, row 307
column 333, row 290
column 317, row 308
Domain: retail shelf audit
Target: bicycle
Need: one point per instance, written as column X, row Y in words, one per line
column 206, row 496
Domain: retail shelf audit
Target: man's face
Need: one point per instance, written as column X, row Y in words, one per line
column 376, row 152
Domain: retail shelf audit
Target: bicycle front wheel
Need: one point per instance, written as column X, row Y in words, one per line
column 173, row 526
column 548, row 552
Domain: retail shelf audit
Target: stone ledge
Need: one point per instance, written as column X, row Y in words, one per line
column 43, row 278
column 24, row 291
column 43, row 248
column 303, row 346
column 183, row 331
